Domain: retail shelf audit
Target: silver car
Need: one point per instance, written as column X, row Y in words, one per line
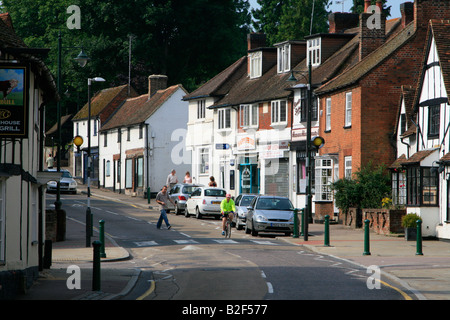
column 242, row 202
column 66, row 184
column 270, row 214
column 180, row 193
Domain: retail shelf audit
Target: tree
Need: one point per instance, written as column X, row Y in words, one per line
column 358, row 7
column 290, row 19
column 189, row 41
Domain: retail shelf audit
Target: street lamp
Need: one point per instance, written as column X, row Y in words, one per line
column 88, row 209
column 82, row 59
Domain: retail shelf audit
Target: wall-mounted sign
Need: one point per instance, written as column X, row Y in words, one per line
column 13, row 101
column 246, row 142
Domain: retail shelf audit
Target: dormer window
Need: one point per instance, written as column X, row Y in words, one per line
column 255, row 64
column 284, row 58
column 314, row 52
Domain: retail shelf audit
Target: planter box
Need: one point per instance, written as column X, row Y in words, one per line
column 385, row 221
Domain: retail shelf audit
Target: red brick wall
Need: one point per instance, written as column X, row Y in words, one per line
column 384, row 221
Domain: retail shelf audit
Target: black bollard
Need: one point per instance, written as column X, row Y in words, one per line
column 96, row 267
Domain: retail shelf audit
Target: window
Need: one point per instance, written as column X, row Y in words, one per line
column 348, row 167
column 224, row 119
column 279, row 112
column 433, row 120
column 128, row 134
column 95, row 127
column 201, row 109
column 128, row 173
column 141, row 131
column 324, row 171
column 249, row 115
column 348, row 109
column 204, row 161
column 255, row 64
column 422, row 186
column 105, row 139
column 108, row 168
column 119, row 135
column 140, row 171
column 314, row 52
column 328, row 115
column 284, row 58
column 304, row 106
column 399, row 187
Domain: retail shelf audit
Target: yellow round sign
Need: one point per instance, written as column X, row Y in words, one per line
column 78, row 141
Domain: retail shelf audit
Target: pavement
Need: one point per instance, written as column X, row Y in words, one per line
column 422, row 277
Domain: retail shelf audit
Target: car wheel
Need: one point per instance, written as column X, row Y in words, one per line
column 254, row 232
column 238, row 226
column 198, row 215
column 186, row 212
column 176, row 210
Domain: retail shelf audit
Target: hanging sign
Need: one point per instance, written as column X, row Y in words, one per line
column 13, row 101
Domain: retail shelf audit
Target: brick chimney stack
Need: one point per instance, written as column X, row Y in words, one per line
column 156, row 82
column 372, row 29
column 407, row 10
column 341, row 21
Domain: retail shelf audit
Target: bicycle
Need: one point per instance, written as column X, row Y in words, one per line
column 228, row 224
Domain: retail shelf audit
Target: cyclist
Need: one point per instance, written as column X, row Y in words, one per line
column 227, row 207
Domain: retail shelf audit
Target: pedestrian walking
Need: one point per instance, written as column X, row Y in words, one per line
column 162, row 198
column 50, row 161
column 171, row 179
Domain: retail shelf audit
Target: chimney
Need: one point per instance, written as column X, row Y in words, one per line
column 341, row 21
column 156, row 82
column 407, row 10
column 256, row 40
column 425, row 10
column 372, row 29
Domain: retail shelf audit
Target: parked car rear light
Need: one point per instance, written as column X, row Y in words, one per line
column 182, row 198
column 204, row 201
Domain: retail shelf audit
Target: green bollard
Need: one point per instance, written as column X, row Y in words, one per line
column 327, row 231
column 303, row 222
column 419, row 238
column 295, row 223
column 102, row 239
column 96, row 267
column 366, row 238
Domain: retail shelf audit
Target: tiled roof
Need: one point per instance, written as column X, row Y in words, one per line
column 372, row 60
column 99, row 102
column 398, row 162
column 136, row 110
column 418, row 157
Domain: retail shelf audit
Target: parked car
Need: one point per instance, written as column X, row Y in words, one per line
column 180, row 193
column 67, row 182
column 205, row 201
column 270, row 214
column 242, row 202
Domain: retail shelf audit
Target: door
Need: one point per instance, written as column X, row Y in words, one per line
column 249, row 178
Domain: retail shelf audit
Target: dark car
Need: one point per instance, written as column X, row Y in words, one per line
column 270, row 214
column 242, row 202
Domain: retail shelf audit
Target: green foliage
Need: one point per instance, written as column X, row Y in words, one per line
column 369, row 186
column 410, row 220
column 358, row 7
column 290, row 19
column 189, row 41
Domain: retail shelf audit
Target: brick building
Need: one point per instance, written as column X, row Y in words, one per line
column 359, row 106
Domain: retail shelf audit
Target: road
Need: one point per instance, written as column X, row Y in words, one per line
column 192, row 261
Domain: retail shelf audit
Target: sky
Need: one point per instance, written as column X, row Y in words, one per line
column 337, row 7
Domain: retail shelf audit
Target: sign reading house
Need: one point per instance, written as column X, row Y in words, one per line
column 13, row 101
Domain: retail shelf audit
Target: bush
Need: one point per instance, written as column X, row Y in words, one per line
column 369, row 186
column 410, row 220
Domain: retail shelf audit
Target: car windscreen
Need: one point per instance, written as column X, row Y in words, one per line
column 188, row 189
column 215, row 193
column 66, row 174
column 274, row 204
column 246, row 200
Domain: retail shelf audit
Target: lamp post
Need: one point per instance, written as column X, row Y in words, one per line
column 82, row 59
column 312, row 143
column 88, row 209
